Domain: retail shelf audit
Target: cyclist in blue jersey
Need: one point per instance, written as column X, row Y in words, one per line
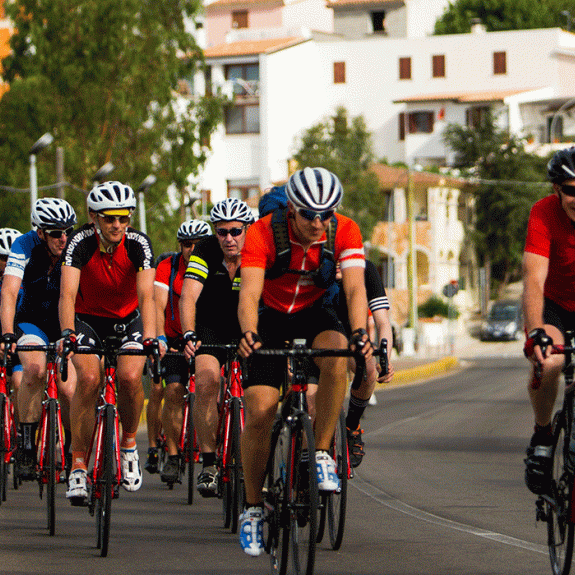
column 34, row 266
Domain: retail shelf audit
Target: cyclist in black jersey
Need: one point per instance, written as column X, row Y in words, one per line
column 29, row 316
column 208, row 312
column 107, row 281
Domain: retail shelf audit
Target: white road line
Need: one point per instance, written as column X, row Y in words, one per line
column 386, row 500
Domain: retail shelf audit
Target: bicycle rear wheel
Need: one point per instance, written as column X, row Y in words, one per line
column 560, row 529
column 105, row 483
column 50, row 464
column 337, row 501
column 3, row 448
column 236, row 482
column 302, row 497
column 189, row 447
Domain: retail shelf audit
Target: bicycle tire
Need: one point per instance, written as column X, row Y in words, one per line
column 236, row 472
column 337, row 501
column 560, row 529
column 224, row 479
column 276, row 536
column 189, row 447
column 106, row 481
column 50, row 463
column 3, row 449
column 303, row 498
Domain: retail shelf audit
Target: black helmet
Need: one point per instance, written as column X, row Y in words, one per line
column 561, row 167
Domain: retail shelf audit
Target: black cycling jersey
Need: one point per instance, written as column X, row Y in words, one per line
column 217, row 306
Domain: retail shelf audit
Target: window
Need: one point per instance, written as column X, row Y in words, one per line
column 401, row 126
column 339, row 72
column 476, row 116
column 243, row 117
column 438, row 65
column 499, row 62
column 378, row 21
column 405, row 68
column 240, row 19
column 420, row 122
column 243, row 189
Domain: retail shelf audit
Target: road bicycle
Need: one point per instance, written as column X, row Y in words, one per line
column 291, row 495
column 106, row 475
column 557, row 506
column 230, row 426
column 51, row 460
column 8, row 432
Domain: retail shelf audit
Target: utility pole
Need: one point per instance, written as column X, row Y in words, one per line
column 60, row 171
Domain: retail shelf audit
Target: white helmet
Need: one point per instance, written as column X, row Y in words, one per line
column 232, row 210
column 315, row 189
column 194, row 230
column 111, row 196
column 53, row 213
column 7, row 237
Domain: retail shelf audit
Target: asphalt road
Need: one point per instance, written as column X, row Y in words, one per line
column 440, row 492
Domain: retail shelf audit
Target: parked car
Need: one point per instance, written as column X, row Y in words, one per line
column 504, row 321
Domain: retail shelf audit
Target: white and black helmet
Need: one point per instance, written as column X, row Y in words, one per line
column 194, row 230
column 561, row 167
column 315, row 189
column 7, row 237
column 111, row 196
column 50, row 213
column 232, row 210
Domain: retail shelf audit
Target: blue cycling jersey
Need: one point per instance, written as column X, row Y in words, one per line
column 30, row 260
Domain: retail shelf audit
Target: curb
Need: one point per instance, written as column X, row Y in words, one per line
column 422, row 372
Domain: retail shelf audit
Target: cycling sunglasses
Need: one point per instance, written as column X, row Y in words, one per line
column 112, row 219
column 568, row 190
column 188, row 243
column 310, row 215
column 57, row 234
column 234, row 232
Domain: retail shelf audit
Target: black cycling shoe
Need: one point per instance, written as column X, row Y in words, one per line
column 208, row 481
column 356, row 446
column 538, row 471
column 171, row 471
column 151, row 465
column 26, row 464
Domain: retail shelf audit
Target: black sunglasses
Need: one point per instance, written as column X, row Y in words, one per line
column 57, row 234
column 112, row 219
column 568, row 190
column 188, row 243
column 310, row 215
column 234, row 232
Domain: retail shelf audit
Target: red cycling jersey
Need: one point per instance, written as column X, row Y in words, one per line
column 172, row 325
column 291, row 293
column 551, row 234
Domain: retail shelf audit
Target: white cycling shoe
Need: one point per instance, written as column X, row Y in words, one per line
column 131, row 472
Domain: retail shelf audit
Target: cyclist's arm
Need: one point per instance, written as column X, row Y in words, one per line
column 251, row 289
column 352, row 279
column 145, row 290
column 161, row 299
column 191, row 291
column 383, row 328
column 69, row 284
column 535, row 269
column 10, row 288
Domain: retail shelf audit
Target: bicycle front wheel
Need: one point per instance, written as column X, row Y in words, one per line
column 560, row 529
column 235, row 463
column 337, row 501
column 50, row 463
column 105, row 482
column 4, row 452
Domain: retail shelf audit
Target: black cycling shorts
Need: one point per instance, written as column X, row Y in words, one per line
column 92, row 330
column 554, row 314
column 175, row 368
column 220, row 336
column 276, row 328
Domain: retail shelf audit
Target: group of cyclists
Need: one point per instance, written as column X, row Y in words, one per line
column 226, row 284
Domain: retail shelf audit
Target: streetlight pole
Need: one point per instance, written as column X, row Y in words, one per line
column 148, row 182
column 36, row 148
column 102, row 173
column 556, row 116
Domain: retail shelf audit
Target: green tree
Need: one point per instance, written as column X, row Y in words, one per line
column 103, row 76
column 498, row 15
column 343, row 146
column 510, row 183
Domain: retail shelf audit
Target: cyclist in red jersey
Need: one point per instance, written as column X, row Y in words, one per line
column 107, row 282
column 548, row 305
column 292, row 308
column 168, row 288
